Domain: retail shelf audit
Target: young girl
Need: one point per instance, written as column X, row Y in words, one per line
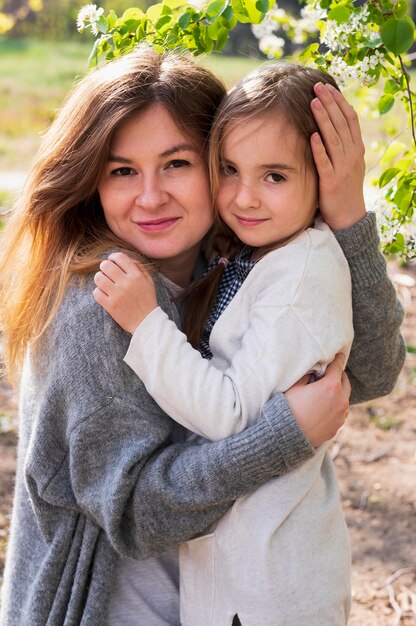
column 281, row 555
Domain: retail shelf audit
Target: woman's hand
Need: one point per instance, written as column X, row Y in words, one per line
column 320, row 408
column 125, row 291
column 339, row 158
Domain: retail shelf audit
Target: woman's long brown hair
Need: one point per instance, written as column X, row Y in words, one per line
column 57, row 230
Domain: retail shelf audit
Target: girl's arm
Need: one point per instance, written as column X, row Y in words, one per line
column 279, row 337
column 378, row 351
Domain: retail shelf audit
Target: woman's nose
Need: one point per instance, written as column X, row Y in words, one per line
column 151, row 194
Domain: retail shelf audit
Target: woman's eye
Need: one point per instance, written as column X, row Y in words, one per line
column 176, row 163
column 122, row 171
column 274, row 177
column 227, row 170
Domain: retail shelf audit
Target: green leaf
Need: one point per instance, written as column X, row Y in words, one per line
column 391, row 86
column 213, row 30
column 185, row 18
column 309, row 51
column 262, row 6
column 410, row 348
column 340, row 14
column 385, row 103
column 240, row 11
column 162, row 23
column 398, row 34
column 102, row 25
column 394, row 149
column 228, row 13
column 388, row 175
column 222, row 38
column 215, row 9
column 111, row 19
column 95, row 53
column 131, row 14
column 400, row 8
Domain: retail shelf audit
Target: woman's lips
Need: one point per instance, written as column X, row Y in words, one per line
column 248, row 221
column 155, row 226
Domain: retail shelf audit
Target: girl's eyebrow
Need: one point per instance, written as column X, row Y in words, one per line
column 279, row 166
column 266, row 166
column 181, row 147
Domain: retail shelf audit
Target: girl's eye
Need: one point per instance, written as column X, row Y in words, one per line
column 122, row 171
column 176, row 163
column 227, row 170
column 274, row 177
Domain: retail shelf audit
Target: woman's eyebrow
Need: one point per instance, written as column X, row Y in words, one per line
column 119, row 159
column 178, row 148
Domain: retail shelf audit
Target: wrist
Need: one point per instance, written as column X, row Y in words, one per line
column 346, row 219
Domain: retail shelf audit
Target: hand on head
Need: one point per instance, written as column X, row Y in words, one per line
column 125, row 290
column 321, row 407
column 339, row 158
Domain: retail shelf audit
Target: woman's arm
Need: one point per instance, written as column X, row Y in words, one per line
column 378, row 351
column 113, row 458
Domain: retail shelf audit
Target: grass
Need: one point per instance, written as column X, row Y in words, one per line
column 34, row 78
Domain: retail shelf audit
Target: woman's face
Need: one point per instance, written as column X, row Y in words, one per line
column 154, row 190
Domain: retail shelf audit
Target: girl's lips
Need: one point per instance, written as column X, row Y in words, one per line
column 157, row 225
column 247, row 221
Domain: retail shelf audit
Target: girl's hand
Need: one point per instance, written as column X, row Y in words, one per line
column 320, row 408
column 339, row 158
column 125, row 291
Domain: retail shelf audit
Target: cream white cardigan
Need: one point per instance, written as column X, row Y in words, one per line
column 280, row 556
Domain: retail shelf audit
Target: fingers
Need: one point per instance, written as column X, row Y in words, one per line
column 320, row 157
column 112, row 271
column 350, row 115
column 302, row 382
column 346, row 385
column 332, row 124
column 336, row 367
column 123, row 261
column 104, row 284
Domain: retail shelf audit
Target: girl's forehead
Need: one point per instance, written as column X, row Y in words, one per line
column 272, row 128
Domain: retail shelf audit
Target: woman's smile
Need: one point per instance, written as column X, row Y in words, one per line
column 155, row 192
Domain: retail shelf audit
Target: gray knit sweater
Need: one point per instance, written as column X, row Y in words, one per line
column 98, row 472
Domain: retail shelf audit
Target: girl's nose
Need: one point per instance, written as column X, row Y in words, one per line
column 246, row 196
column 151, row 194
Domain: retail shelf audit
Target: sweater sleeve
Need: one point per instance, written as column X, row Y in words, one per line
column 102, row 446
column 378, row 351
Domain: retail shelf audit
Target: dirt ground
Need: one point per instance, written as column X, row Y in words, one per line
column 375, row 456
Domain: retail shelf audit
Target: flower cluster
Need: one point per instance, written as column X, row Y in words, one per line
column 88, row 16
column 335, row 36
column 269, row 43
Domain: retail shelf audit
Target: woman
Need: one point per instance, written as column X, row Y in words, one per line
column 103, row 475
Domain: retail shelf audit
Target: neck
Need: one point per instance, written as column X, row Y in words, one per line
column 180, row 269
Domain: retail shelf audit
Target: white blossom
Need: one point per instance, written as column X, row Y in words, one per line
column 271, row 45
column 89, row 15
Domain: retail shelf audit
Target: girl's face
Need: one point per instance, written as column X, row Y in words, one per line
column 266, row 191
column 154, row 190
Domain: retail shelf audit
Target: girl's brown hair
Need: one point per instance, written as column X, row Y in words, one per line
column 58, row 229
column 284, row 89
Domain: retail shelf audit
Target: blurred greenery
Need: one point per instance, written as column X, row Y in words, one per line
column 34, row 78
